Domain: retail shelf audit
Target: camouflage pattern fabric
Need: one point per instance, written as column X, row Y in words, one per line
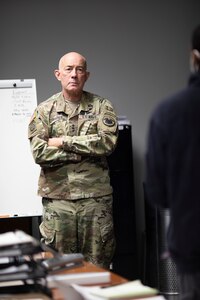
column 79, row 169
column 74, row 180
column 84, row 226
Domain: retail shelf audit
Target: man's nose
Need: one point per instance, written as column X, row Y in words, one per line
column 74, row 72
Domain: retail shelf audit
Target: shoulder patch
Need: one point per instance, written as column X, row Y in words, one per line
column 109, row 121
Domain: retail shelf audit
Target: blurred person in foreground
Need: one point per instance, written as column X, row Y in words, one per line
column 70, row 134
column 173, row 173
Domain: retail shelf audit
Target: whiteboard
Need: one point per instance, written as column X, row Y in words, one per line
column 19, row 173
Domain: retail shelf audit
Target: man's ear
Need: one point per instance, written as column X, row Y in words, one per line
column 196, row 56
column 87, row 75
column 195, row 60
column 57, row 74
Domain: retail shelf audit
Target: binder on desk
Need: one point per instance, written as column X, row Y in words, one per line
column 62, row 262
column 17, row 264
column 18, row 243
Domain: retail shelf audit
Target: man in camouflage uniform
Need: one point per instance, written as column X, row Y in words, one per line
column 71, row 134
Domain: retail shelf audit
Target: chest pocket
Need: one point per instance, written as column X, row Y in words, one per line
column 88, row 126
column 59, row 126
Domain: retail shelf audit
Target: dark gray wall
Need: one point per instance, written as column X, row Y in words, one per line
column 137, row 51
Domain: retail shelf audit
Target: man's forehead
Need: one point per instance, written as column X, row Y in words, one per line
column 72, row 60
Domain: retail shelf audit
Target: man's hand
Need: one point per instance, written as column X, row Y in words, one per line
column 56, row 142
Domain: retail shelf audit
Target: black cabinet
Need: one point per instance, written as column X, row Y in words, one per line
column 30, row 225
column 122, row 179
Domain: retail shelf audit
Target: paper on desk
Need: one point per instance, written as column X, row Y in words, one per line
column 132, row 289
column 13, row 283
column 78, row 278
column 12, row 238
column 77, row 292
column 14, row 269
column 25, row 296
column 4, row 260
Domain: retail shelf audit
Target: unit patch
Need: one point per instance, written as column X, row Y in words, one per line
column 109, row 121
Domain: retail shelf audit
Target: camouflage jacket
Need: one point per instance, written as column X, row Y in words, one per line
column 78, row 169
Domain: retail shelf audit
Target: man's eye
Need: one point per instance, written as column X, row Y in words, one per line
column 68, row 69
column 80, row 70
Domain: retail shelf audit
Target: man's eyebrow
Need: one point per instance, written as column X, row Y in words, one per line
column 72, row 66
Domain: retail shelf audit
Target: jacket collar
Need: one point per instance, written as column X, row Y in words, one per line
column 85, row 104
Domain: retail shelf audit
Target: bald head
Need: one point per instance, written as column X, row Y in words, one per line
column 71, row 56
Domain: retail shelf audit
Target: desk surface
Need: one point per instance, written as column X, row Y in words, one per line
column 88, row 267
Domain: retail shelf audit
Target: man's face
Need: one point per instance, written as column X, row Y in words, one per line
column 72, row 74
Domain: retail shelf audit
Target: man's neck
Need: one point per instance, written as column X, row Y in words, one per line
column 72, row 97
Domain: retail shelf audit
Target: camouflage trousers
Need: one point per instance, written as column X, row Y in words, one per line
column 81, row 226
